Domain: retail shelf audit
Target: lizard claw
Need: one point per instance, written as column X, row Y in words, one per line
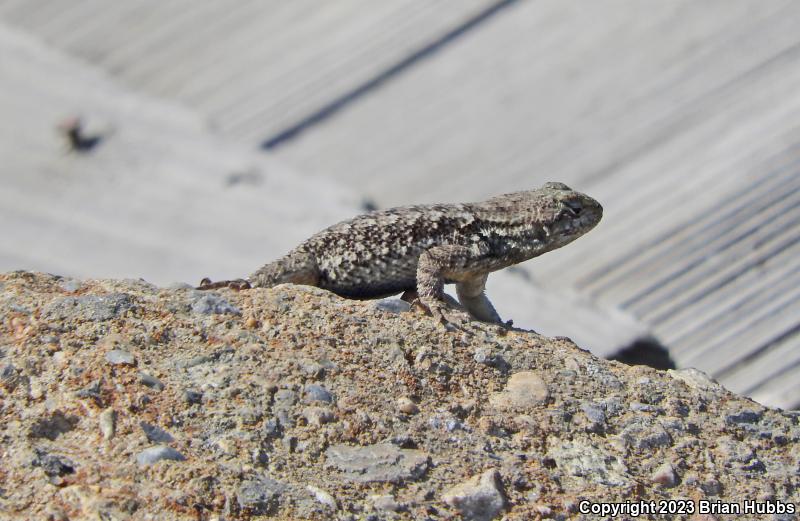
column 237, row 284
column 450, row 319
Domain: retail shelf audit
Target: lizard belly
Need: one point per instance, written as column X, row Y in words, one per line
column 373, row 291
column 370, row 279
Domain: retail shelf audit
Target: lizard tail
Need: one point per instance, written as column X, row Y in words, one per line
column 295, row 268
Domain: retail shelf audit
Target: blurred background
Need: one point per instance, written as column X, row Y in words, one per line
column 173, row 140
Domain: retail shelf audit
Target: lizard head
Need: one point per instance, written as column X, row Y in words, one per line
column 567, row 214
column 541, row 220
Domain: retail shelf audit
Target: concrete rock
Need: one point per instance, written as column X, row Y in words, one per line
column 326, row 392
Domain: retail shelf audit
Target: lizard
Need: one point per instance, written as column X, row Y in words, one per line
column 420, row 248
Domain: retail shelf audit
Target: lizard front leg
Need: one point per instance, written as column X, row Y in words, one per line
column 472, row 296
column 455, row 263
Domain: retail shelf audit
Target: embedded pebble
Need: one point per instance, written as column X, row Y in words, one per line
column 8, row 376
column 70, row 285
column 645, row 435
column 318, row 415
column 393, row 305
column 317, row 393
column 523, row 390
column 260, row 496
column 382, row 462
column 385, row 503
column 158, row 453
column 572, row 365
column 93, row 391
column 594, row 412
column 249, row 415
column 479, row 499
column 694, row 378
column 108, row 423
column 313, row 369
column 285, row 397
column 322, row 496
column 155, row 434
column 406, row 406
column 589, row 462
column 37, row 391
column 641, row 407
column 743, row 416
column 53, row 465
column 271, row 428
column 192, row 397
column 213, row 304
column 194, row 361
column 485, row 356
column 665, row 475
column 151, row 381
column 120, row 357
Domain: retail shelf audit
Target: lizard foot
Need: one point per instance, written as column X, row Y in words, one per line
column 447, row 317
column 237, row 284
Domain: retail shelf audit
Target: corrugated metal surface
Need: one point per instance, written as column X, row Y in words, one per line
column 253, row 67
column 681, row 117
column 156, row 198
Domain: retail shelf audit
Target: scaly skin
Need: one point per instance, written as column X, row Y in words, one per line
column 422, row 248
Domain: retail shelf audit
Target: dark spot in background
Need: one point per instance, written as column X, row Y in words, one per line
column 645, row 351
column 368, row 205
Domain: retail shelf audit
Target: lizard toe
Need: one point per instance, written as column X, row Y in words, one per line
column 239, row 284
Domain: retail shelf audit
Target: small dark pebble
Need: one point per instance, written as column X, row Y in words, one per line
column 155, row 434
column 8, row 376
column 595, row 413
column 91, row 391
column 743, row 416
column 53, row 465
column 151, row 381
column 193, row 397
column 272, row 428
column 317, row 393
column 754, row 465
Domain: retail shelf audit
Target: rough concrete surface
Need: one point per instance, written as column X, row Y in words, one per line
column 122, row 400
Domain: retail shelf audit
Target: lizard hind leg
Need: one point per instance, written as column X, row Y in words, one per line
column 236, row 284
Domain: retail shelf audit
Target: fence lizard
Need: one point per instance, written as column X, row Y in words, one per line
column 426, row 246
